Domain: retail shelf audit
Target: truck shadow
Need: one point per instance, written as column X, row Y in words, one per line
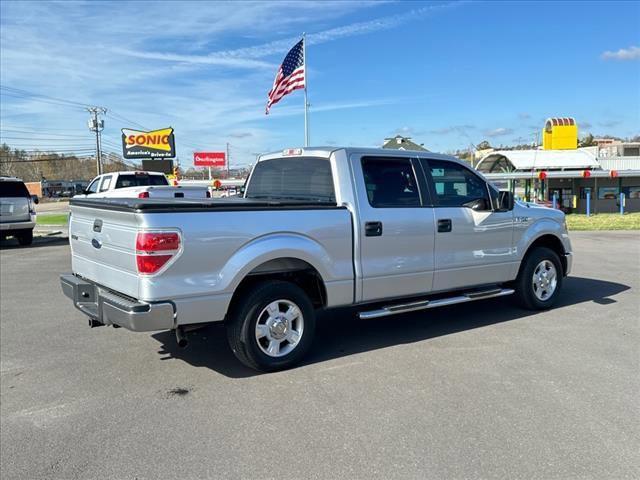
column 340, row 333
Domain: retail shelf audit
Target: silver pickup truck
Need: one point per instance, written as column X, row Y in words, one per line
column 384, row 232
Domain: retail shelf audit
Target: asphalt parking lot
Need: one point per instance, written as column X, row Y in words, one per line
column 481, row 390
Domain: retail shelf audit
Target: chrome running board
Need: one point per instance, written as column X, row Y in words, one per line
column 441, row 302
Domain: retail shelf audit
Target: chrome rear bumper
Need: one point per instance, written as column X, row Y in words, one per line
column 17, row 225
column 107, row 308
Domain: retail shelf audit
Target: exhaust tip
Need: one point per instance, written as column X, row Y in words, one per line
column 181, row 339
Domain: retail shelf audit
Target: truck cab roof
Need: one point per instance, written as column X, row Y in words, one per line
column 326, row 151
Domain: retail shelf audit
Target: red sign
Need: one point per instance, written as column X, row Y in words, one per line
column 209, row 159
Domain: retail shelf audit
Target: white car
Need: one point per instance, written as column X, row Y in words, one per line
column 140, row 184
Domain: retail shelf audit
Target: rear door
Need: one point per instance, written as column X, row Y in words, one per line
column 396, row 228
column 14, row 202
column 473, row 240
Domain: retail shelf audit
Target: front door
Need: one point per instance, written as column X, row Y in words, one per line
column 396, row 228
column 474, row 239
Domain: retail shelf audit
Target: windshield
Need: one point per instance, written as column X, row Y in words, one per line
column 295, row 178
column 140, row 180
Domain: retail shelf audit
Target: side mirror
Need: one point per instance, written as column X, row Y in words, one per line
column 505, row 200
column 34, row 199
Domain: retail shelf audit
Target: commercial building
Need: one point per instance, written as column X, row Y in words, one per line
column 402, row 143
column 570, row 175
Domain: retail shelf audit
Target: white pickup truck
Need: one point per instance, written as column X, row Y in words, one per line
column 140, row 185
column 385, row 232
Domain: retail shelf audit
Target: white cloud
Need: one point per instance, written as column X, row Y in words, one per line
column 498, row 132
column 280, row 46
column 174, row 67
column 460, row 129
column 631, row 53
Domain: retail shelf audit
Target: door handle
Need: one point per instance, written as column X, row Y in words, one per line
column 373, row 229
column 444, row 225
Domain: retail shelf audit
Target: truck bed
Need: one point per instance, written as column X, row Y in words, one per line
column 222, row 240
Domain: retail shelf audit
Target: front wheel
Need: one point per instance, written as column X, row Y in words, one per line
column 272, row 327
column 540, row 279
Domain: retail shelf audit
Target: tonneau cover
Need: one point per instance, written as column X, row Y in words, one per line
column 156, row 205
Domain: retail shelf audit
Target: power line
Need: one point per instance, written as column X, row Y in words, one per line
column 5, row 126
column 85, row 151
column 125, row 119
column 52, row 147
column 18, row 92
column 39, row 160
column 40, row 133
column 36, row 99
column 44, row 139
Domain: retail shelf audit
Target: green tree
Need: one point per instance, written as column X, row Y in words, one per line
column 587, row 141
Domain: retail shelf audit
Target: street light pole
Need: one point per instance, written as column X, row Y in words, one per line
column 228, row 159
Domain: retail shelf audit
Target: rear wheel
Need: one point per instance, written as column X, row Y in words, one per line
column 25, row 238
column 540, row 279
column 272, row 327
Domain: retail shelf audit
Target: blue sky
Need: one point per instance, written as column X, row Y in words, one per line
column 447, row 74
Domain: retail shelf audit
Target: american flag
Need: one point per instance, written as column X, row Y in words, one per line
column 290, row 76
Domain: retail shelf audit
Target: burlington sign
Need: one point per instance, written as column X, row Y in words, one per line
column 209, row 159
column 154, row 144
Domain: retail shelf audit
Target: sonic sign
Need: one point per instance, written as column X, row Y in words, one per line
column 153, row 144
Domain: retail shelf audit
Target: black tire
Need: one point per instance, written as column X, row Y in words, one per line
column 25, row 238
column 245, row 314
column 524, row 285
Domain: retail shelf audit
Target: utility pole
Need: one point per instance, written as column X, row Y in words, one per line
column 228, row 159
column 97, row 125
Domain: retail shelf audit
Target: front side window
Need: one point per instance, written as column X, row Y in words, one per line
column 295, row 178
column 390, row 182
column 93, row 188
column 455, row 185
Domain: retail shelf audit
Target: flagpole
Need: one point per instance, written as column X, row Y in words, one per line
column 306, row 80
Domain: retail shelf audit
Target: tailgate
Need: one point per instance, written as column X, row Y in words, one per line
column 14, row 209
column 103, row 247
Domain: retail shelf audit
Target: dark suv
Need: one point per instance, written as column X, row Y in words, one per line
column 17, row 211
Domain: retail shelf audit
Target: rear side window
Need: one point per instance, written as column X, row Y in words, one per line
column 390, row 183
column 13, row 190
column 300, row 178
column 454, row 185
column 106, row 182
column 133, row 180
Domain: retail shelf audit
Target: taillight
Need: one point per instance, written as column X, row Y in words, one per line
column 143, row 195
column 155, row 249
